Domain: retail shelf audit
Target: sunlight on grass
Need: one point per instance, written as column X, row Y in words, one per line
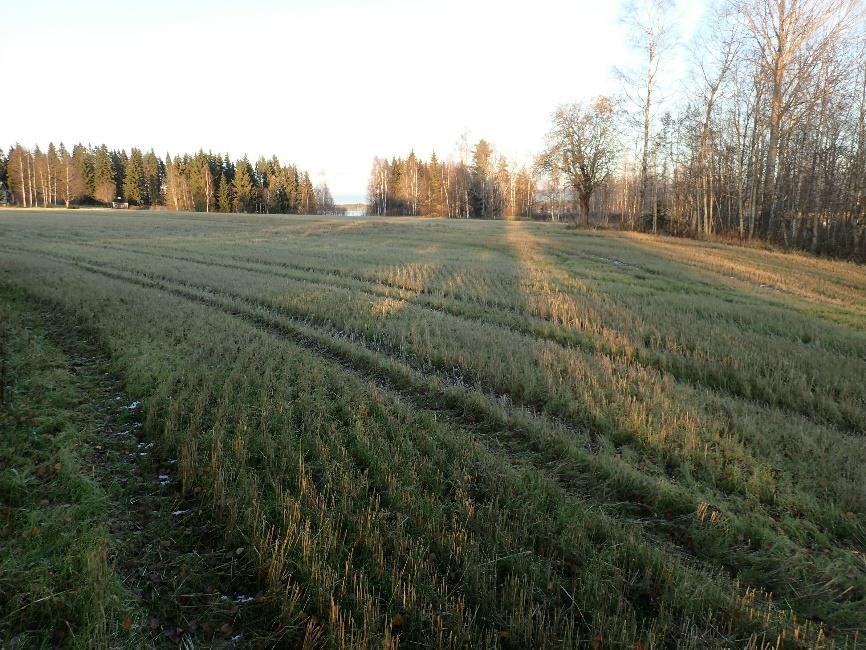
column 492, row 434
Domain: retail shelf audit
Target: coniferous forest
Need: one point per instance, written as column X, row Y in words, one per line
column 201, row 182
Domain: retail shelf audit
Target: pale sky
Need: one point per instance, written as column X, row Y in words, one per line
column 327, row 85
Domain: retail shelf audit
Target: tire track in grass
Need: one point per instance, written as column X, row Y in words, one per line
column 546, row 555
column 512, row 319
column 264, row 312
column 572, row 466
column 365, row 380
column 191, row 585
column 543, row 440
column 451, row 375
column 462, row 379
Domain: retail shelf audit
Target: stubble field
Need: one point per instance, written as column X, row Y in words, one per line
column 436, row 433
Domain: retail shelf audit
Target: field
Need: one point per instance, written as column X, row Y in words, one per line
column 427, row 433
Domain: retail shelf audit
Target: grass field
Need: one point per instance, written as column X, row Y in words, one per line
column 439, row 433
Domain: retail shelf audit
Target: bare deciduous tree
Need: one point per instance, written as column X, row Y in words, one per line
column 650, row 24
column 792, row 37
column 582, row 146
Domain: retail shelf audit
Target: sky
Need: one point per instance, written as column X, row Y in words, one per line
column 325, row 84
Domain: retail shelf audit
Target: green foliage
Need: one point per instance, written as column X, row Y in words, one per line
column 104, row 187
column 224, row 200
column 243, row 191
column 185, row 183
column 307, row 196
column 135, row 184
column 154, row 173
column 84, row 164
column 119, row 160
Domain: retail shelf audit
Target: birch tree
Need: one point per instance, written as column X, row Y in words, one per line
column 791, row 38
column 650, row 26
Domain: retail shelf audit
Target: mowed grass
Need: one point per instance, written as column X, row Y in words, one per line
column 493, row 434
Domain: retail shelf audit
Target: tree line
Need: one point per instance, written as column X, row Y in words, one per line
column 201, row 182
column 765, row 139
column 484, row 185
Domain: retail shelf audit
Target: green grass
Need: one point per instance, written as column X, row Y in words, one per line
column 56, row 582
column 492, row 434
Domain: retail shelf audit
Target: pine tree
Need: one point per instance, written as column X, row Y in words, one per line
column 134, row 181
column 396, row 199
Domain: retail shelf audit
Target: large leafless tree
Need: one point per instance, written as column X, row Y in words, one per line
column 582, row 146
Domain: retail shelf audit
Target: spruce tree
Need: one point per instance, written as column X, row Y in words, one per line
column 293, row 190
column 243, row 188
column 228, row 169
column 480, row 194
column 154, row 171
column 134, row 181
column 308, row 196
column 224, row 201
column 104, row 187
column 83, row 161
column 119, row 159
column 434, row 183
